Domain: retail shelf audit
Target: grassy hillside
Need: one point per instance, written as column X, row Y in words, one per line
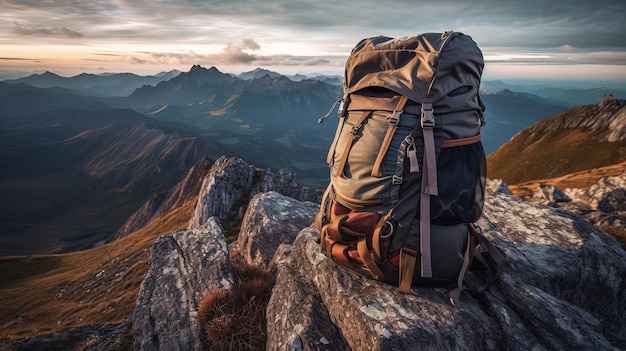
column 49, row 293
column 531, row 156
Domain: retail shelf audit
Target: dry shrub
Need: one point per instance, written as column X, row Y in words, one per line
column 235, row 319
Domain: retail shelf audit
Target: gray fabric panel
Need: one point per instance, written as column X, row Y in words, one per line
column 409, row 65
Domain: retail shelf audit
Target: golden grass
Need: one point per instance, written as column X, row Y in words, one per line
column 579, row 180
column 529, row 157
column 49, row 293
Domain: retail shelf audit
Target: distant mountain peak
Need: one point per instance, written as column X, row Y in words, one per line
column 49, row 74
column 607, row 99
column 506, row 92
column 258, row 73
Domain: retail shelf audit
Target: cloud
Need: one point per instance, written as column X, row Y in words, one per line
column 315, row 33
column 234, row 54
column 45, row 32
column 231, row 54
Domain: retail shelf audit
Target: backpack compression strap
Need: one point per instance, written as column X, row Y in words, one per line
column 428, row 188
column 353, row 135
column 393, row 125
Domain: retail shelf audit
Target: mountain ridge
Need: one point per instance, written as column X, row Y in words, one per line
column 103, row 85
column 75, row 190
column 550, row 148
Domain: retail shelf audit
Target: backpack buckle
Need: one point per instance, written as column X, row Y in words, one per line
column 342, row 108
column 394, row 119
column 427, row 119
column 395, row 180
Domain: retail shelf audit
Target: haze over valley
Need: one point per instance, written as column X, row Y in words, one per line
column 78, row 162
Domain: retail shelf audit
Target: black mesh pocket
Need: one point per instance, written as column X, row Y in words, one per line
column 461, row 176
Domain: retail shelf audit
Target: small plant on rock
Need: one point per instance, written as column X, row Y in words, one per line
column 235, row 319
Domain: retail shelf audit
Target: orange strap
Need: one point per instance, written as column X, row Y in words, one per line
column 460, row 142
column 351, row 137
column 393, row 125
column 376, row 249
column 368, row 260
column 408, row 258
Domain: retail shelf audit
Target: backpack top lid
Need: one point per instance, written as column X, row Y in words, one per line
column 427, row 65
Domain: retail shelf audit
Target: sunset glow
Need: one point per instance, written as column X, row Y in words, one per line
column 148, row 37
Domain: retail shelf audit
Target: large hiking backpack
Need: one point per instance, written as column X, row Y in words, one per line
column 408, row 172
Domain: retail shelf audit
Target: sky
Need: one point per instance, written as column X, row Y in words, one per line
column 561, row 39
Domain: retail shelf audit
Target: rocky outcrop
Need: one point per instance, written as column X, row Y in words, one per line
column 603, row 204
column 608, row 115
column 498, row 186
column 185, row 265
column 231, row 183
column 549, row 194
column 226, row 183
column 272, row 219
column 563, row 289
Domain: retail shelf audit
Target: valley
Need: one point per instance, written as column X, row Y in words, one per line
column 77, row 166
column 93, row 149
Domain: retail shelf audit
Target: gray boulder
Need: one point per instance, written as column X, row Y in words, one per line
column 272, row 219
column 226, row 183
column 231, row 183
column 498, row 186
column 602, row 204
column 185, row 265
column 296, row 316
column 550, row 194
column 563, row 289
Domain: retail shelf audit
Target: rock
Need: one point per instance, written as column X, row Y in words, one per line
column 550, row 194
column 607, row 195
column 563, row 289
column 226, row 183
column 286, row 183
column 296, row 316
column 272, row 219
column 498, row 186
column 603, row 204
column 232, row 183
column 186, row 264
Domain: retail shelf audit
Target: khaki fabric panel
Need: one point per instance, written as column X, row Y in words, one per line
column 355, row 180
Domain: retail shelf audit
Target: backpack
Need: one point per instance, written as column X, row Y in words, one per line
column 407, row 167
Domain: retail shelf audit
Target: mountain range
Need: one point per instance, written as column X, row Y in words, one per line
column 71, row 177
column 89, row 182
column 94, row 148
